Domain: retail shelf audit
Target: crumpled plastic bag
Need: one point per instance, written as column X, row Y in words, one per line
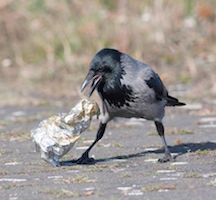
column 56, row 135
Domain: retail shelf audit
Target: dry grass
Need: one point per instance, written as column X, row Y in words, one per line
column 205, row 153
column 192, row 175
column 15, row 136
column 77, row 179
column 158, row 187
column 173, row 131
column 50, row 43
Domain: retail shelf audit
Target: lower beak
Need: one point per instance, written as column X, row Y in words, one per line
column 84, row 84
column 95, row 81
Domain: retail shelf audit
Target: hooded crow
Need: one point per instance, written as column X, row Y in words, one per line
column 127, row 88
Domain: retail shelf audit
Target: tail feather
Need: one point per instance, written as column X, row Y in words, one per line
column 172, row 101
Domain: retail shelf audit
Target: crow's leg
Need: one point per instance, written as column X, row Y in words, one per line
column 84, row 159
column 160, row 129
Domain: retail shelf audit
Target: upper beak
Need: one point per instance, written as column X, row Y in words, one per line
column 95, row 81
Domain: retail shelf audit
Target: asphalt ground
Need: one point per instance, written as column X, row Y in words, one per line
column 126, row 159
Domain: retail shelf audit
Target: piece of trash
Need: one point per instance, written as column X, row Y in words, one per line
column 13, row 163
column 207, row 122
column 18, row 113
column 189, row 22
column 13, row 197
column 106, row 145
column 124, row 188
column 179, row 163
column 12, row 180
column 163, row 190
column 195, row 106
column 89, row 188
column 6, row 62
column 151, row 160
column 165, row 171
column 73, row 171
column 55, row 136
column 130, row 191
column 135, row 192
column 208, row 126
column 209, row 175
column 168, row 179
column 118, row 170
column 82, row 148
column 55, row 177
column 213, row 182
column 135, row 122
column 207, row 119
column 88, row 141
column 151, row 149
column 175, row 174
column 118, row 160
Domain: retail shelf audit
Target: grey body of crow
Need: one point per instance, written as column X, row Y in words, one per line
column 150, row 94
column 128, row 88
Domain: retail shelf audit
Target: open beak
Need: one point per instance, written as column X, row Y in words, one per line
column 95, row 78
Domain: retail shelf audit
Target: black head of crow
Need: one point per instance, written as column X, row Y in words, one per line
column 128, row 88
column 105, row 71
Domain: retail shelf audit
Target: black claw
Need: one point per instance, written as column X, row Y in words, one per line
column 166, row 158
column 85, row 161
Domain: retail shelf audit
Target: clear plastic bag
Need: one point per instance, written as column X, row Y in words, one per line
column 55, row 136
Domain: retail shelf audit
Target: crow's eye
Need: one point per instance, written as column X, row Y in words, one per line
column 93, row 70
column 106, row 69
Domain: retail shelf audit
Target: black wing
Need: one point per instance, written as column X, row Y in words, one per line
column 155, row 83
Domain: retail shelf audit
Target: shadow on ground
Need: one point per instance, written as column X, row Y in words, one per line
column 178, row 149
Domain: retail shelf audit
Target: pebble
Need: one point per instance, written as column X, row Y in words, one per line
column 55, row 177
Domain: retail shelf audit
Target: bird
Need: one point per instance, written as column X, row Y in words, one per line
column 128, row 88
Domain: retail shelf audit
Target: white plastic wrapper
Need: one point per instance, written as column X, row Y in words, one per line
column 56, row 135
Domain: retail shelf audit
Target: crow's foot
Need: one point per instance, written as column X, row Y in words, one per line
column 85, row 160
column 167, row 158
